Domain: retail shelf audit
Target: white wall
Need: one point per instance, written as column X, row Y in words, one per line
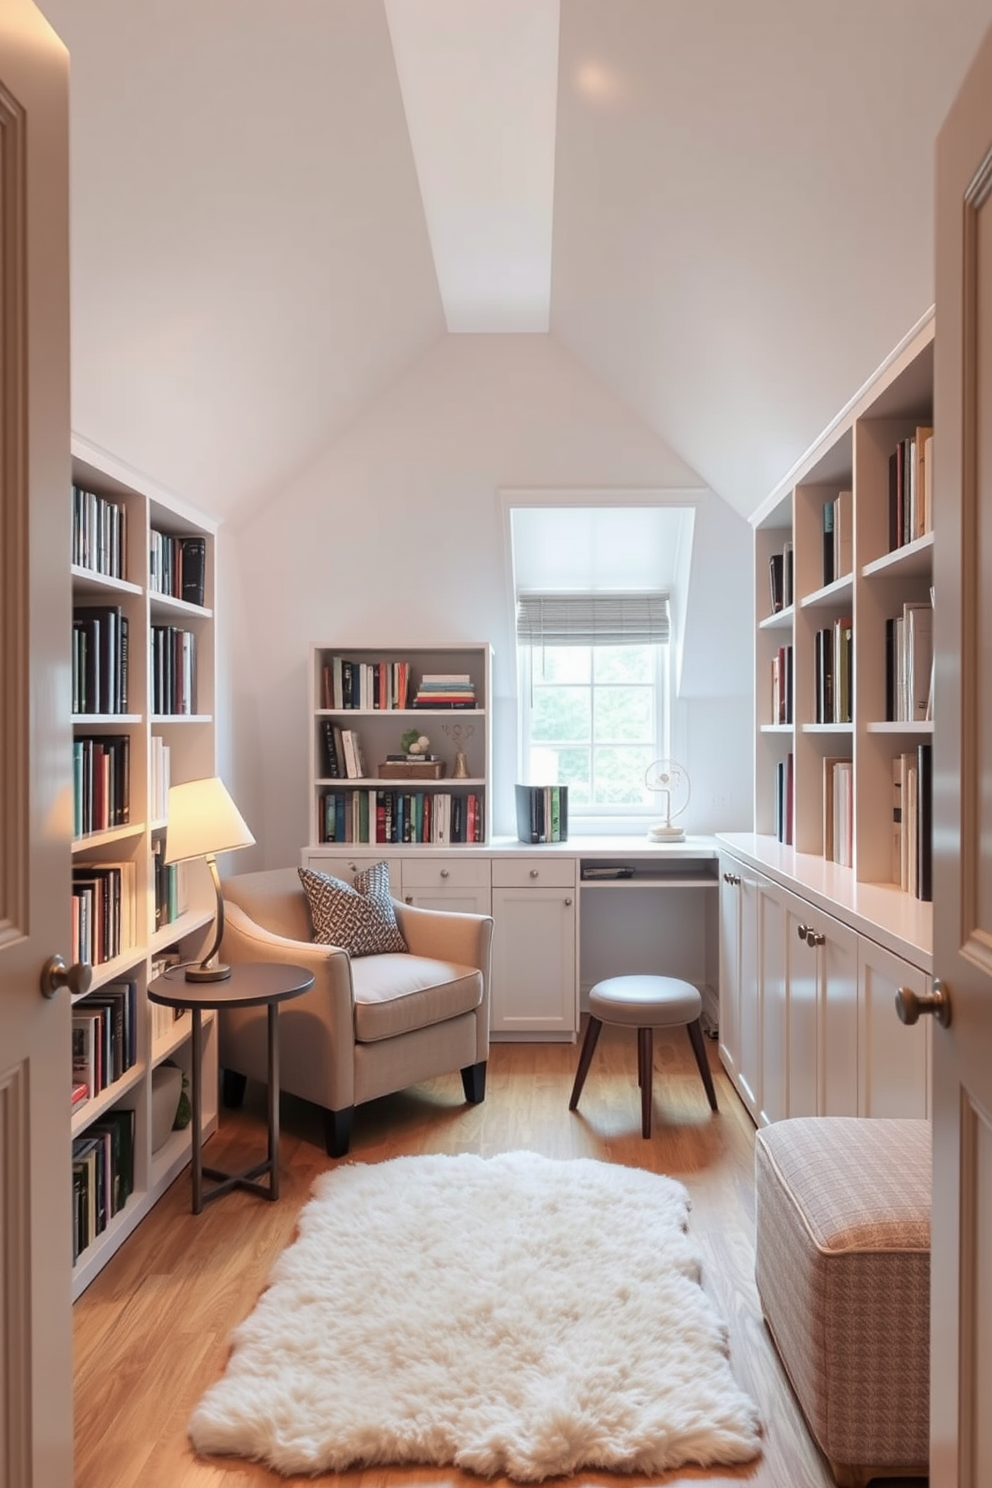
column 395, row 534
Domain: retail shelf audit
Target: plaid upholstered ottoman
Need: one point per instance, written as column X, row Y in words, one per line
column 842, row 1266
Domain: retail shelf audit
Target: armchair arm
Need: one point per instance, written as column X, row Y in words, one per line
column 445, row 936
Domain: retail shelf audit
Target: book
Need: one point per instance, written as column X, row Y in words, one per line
column 828, row 543
column 924, row 822
column 193, row 569
column 788, row 580
column 897, row 860
column 843, row 534
column 776, row 582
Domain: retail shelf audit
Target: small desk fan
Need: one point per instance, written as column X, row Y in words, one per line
column 671, row 781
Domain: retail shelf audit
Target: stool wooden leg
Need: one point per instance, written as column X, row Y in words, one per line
column 645, row 1058
column 589, row 1043
column 695, row 1032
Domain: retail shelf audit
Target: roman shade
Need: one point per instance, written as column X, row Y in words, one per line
column 593, row 619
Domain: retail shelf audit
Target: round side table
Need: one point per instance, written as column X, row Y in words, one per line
column 250, row 984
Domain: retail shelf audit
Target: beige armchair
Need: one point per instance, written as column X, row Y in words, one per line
column 369, row 1025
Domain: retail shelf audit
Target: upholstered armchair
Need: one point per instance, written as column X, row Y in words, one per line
column 370, row 1024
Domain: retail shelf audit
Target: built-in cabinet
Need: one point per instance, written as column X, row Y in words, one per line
column 534, row 949
column 143, row 714
column 807, row 1007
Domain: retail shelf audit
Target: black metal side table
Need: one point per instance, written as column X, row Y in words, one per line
column 250, row 984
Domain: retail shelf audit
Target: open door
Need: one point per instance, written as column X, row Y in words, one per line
column 961, row 1302
column 35, row 755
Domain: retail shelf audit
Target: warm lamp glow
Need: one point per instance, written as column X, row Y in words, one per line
column 203, row 821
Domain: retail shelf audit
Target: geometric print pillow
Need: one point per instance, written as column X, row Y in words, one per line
column 358, row 918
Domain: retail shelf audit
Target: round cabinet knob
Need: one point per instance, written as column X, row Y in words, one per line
column 815, row 938
column 802, row 931
column 408, row 899
column 910, row 1005
column 567, row 902
column 55, row 974
column 444, row 873
column 533, row 873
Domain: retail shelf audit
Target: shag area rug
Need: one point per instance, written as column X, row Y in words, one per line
column 509, row 1315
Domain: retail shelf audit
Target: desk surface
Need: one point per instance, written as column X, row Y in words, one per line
column 250, row 983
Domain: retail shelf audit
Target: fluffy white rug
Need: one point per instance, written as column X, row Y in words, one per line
column 511, row 1315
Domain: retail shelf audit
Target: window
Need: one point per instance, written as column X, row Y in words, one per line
column 594, row 691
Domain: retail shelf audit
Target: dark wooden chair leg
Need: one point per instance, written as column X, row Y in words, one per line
column 645, row 1049
column 337, row 1131
column 233, row 1091
column 695, row 1032
column 474, row 1082
column 589, row 1043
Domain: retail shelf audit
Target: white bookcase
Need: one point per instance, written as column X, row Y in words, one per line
column 189, row 738
column 348, row 813
column 853, row 455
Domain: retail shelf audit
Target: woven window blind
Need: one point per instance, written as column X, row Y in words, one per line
column 593, row 619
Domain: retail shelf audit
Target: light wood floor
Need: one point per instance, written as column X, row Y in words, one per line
column 151, row 1330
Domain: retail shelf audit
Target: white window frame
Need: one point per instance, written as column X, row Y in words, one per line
column 603, row 816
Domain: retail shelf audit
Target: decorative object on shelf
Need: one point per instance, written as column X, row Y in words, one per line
column 459, row 734
column 415, row 743
column 203, row 821
column 671, row 781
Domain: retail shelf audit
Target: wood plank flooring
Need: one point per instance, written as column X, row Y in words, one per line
column 151, row 1331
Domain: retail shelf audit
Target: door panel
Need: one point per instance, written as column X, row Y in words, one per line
column 961, row 1329
column 35, row 755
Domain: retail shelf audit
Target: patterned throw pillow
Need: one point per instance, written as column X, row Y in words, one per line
column 358, row 918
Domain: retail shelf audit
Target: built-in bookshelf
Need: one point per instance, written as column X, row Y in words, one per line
column 400, row 745
column 143, row 567
column 843, row 682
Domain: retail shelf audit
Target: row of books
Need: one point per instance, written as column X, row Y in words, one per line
column 173, row 670
column 909, row 664
column 838, row 811
column 162, row 1018
column 781, row 578
column 784, row 810
column 105, row 1036
column 100, row 782
column 445, row 690
column 911, row 488
column 99, row 659
column 365, row 684
column 99, row 533
column 343, row 757
column 102, row 1175
column 161, row 774
column 838, row 537
column 781, row 708
column 103, row 911
column 388, row 816
column 542, row 813
column 833, row 672
column 912, row 821
column 169, row 885
column 177, row 566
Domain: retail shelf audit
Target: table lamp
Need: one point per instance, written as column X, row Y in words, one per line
column 203, row 821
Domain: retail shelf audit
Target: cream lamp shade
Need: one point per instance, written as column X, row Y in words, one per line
column 203, row 821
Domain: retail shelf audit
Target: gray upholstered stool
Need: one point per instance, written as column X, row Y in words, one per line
column 644, row 1003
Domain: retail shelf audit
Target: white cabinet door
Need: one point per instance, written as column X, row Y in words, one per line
column 459, row 885
column 749, row 1033
column 803, row 1010
column 730, row 965
column 534, row 988
column 894, row 1067
column 837, row 997
column 771, row 904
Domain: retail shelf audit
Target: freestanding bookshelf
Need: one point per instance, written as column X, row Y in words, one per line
column 146, row 716
column 822, row 917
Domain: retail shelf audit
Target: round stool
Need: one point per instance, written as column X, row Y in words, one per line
column 644, row 1003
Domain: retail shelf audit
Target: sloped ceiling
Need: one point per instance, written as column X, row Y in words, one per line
column 742, row 221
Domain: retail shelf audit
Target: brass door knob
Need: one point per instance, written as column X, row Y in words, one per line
column 910, row 1005
column 55, row 974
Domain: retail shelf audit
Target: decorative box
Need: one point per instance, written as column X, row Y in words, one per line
column 410, row 770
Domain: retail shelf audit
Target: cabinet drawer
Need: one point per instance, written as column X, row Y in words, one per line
column 338, row 866
column 429, row 872
column 536, row 872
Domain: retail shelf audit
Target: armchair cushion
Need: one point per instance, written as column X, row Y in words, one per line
column 395, row 994
column 360, row 918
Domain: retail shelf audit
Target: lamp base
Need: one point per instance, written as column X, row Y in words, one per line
column 664, row 833
column 207, row 973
